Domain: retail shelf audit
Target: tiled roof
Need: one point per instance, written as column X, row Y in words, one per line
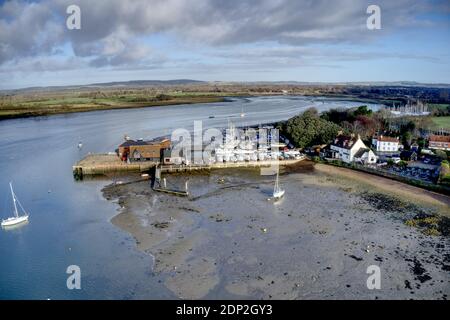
column 387, row 139
column 130, row 143
column 345, row 141
column 361, row 152
column 435, row 138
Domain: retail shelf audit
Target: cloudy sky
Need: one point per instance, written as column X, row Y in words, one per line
column 229, row 40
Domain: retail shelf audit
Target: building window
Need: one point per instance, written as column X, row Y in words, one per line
column 136, row 155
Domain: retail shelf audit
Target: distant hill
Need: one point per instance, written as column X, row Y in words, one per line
column 362, row 83
column 146, row 83
column 181, row 82
column 133, row 83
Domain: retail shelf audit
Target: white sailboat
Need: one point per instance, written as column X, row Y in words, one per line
column 17, row 218
column 277, row 191
column 242, row 111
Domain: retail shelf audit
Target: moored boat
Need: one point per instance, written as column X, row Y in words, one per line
column 16, row 219
column 277, row 191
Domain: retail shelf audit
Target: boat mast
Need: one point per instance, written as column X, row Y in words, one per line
column 14, row 200
column 276, row 183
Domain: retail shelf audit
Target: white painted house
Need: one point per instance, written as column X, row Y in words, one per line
column 346, row 148
column 385, row 143
column 365, row 156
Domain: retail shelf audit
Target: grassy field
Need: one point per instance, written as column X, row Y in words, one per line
column 48, row 101
column 441, row 122
column 438, row 106
column 42, row 104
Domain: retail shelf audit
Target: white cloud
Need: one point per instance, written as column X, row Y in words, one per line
column 33, row 36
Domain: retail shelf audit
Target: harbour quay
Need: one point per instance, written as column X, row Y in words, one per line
column 234, row 148
column 100, row 164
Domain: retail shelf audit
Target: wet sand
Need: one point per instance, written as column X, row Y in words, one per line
column 229, row 240
column 389, row 186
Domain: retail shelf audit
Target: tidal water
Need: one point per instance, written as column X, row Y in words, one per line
column 69, row 220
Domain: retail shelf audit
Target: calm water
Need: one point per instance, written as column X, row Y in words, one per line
column 69, row 220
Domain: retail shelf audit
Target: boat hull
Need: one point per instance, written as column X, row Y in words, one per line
column 14, row 221
column 278, row 194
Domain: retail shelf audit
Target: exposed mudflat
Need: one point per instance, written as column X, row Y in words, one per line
column 230, row 240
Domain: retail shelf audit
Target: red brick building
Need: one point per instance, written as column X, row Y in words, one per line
column 439, row 142
column 143, row 150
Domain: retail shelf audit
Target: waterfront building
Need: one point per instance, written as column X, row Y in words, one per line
column 386, row 144
column 140, row 150
column 346, row 147
column 365, row 156
column 439, row 142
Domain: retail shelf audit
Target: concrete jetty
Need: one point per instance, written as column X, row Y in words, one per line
column 97, row 164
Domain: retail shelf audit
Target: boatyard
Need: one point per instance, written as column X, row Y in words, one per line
column 234, row 148
column 99, row 164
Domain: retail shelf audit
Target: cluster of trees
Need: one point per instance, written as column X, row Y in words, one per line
column 361, row 120
column 366, row 123
column 441, row 110
column 408, row 128
column 309, row 129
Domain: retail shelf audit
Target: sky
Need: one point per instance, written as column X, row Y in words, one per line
column 232, row 40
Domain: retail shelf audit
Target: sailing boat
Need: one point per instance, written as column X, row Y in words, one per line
column 242, row 111
column 277, row 191
column 16, row 219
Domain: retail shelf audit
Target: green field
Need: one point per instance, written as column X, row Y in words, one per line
column 441, row 122
column 438, row 106
column 48, row 104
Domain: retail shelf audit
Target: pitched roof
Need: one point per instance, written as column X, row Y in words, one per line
column 436, row 138
column 145, row 152
column 129, row 143
column 387, row 139
column 344, row 141
column 361, row 152
column 407, row 153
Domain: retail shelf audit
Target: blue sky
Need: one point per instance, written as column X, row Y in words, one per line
column 266, row 40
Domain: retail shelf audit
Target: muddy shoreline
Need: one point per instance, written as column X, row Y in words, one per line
column 228, row 241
